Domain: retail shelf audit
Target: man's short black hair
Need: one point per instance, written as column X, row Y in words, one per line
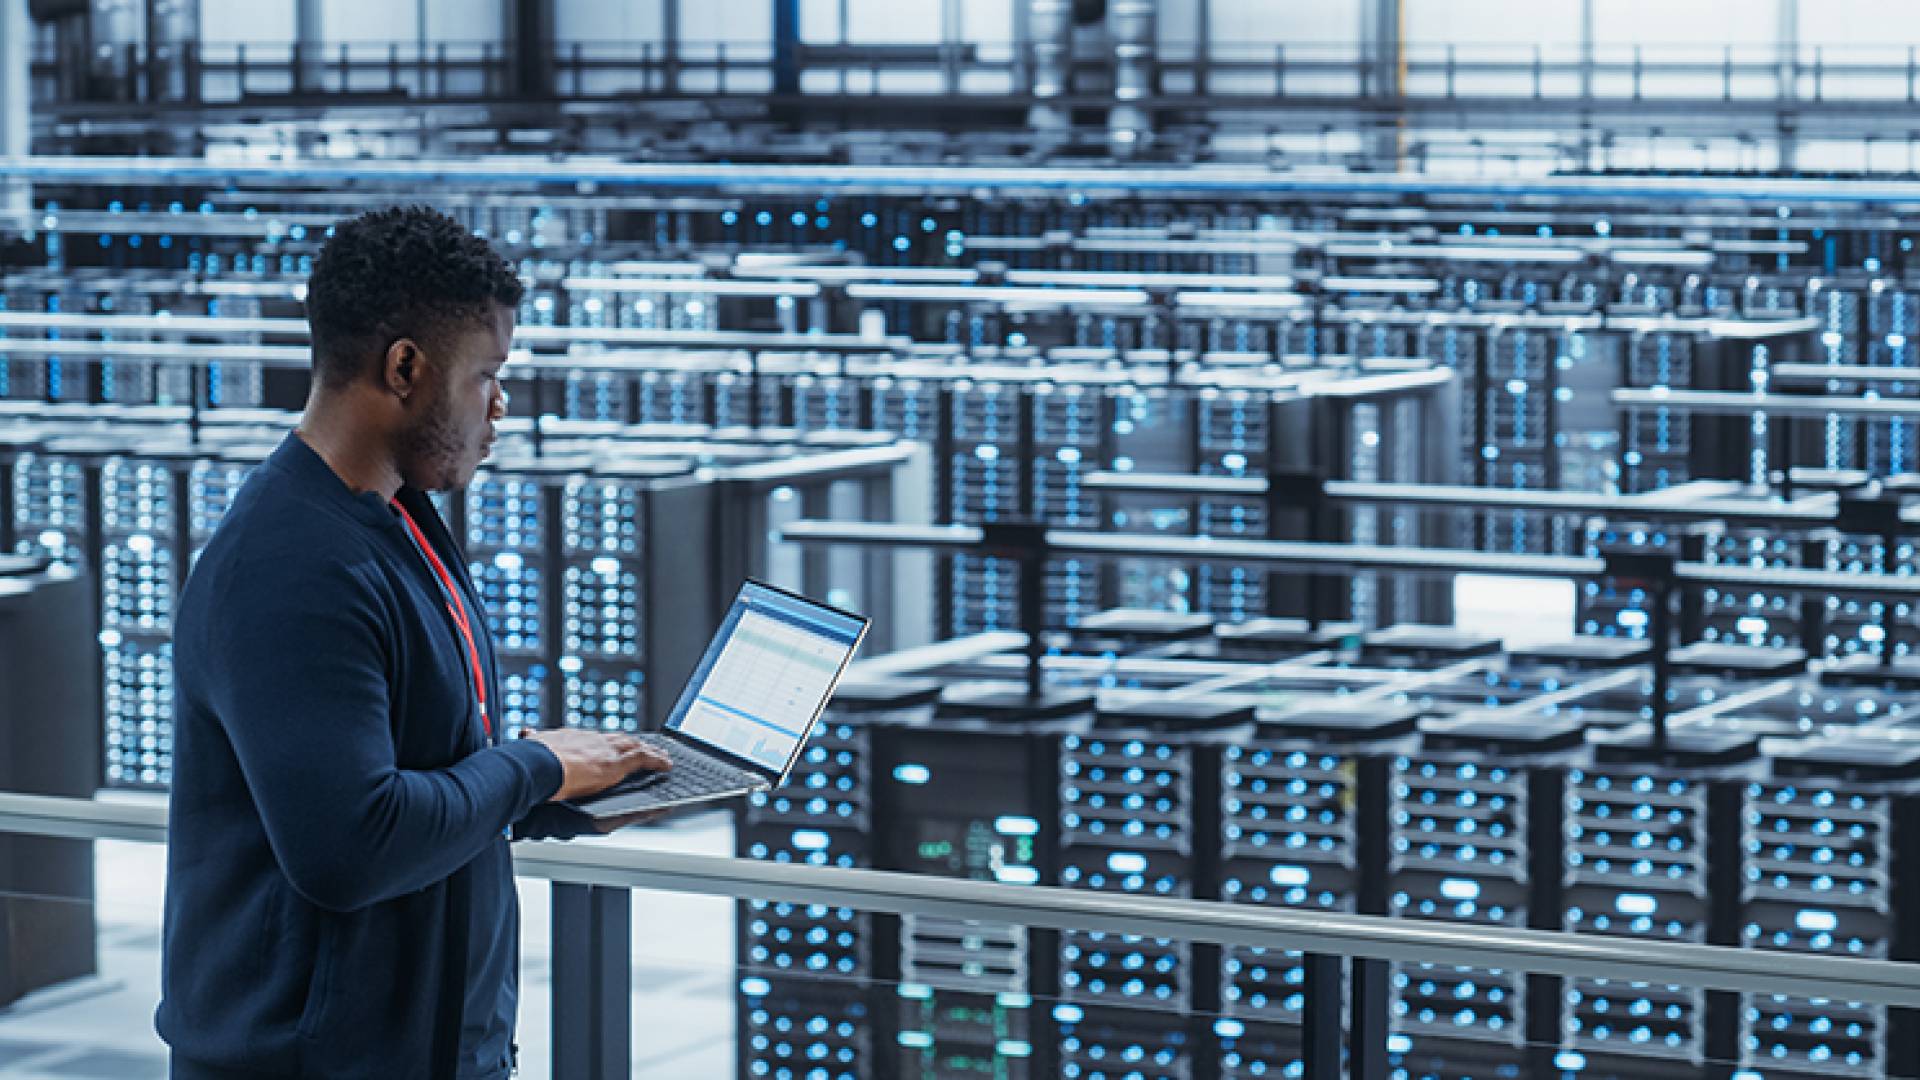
column 402, row 272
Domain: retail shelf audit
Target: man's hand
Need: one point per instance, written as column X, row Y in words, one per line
column 592, row 762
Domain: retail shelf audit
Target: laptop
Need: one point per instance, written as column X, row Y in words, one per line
column 746, row 712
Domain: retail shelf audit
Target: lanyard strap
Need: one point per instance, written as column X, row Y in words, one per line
column 455, row 608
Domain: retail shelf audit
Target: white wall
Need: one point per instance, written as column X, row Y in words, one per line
column 1262, row 23
column 611, row 21
column 820, row 21
column 1177, row 23
column 1708, row 24
column 1884, row 25
column 1881, row 24
column 1255, row 30
column 914, row 22
column 271, row 22
column 450, row 21
column 1858, row 32
column 988, row 21
column 1491, row 22
column 231, row 22
column 736, row 22
column 1488, row 30
column 743, row 27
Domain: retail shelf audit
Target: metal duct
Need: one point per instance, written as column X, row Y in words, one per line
column 309, row 44
column 1050, row 23
column 118, row 22
column 16, row 118
column 117, row 29
column 173, row 32
column 1130, row 27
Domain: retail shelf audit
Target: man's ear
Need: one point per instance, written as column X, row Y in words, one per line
column 402, row 368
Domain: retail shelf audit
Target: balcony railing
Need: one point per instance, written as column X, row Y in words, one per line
column 1185, row 73
column 592, row 1032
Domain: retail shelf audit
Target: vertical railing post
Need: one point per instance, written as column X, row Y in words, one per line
column 1367, row 1026
column 592, row 982
column 1320, row 1021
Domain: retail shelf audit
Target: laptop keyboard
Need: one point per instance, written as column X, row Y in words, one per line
column 692, row 774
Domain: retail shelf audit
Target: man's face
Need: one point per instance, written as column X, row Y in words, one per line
column 450, row 432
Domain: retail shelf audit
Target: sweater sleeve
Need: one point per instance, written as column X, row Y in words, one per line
column 304, row 699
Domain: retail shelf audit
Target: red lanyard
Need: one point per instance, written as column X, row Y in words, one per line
column 455, row 608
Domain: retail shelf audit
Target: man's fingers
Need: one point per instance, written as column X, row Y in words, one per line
column 642, row 756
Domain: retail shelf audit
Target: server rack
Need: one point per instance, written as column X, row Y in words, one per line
column 46, row 885
column 974, row 794
column 1234, row 435
column 511, row 513
column 1826, row 835
column 579, row 562
column 815, row 981
column 1477, row 819
column 1139, row 801
column 144, row 556
column 1304, row 823
column 1652, row 849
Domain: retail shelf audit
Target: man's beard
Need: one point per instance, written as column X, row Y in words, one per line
column 431, row 450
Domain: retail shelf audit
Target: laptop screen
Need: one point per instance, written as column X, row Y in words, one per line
column 766, row 675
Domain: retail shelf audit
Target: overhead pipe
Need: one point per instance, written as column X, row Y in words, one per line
column 173, row 35
column 16, row 115
column 1050, row 24
column 116, row 29
column 1130, row 28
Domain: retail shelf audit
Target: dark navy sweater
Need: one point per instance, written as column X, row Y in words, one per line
column 340, row 898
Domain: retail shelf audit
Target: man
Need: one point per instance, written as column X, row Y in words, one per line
column 340, row 898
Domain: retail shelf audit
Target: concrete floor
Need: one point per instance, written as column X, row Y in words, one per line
column 683, row 952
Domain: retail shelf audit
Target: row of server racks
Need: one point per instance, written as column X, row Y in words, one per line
column 561, row 545
column 1741, row 833
column 1534, row 362
column 1533, row 384
column 578, row 556
column 46, row 884
column 1569, row 823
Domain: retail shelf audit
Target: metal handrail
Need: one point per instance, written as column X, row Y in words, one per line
column 1648, row 507
column 1879, row 982
column 1429, row 71
column 1319, row 558
column 529, row 173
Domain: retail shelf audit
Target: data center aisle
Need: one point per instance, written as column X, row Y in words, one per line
column 683, row 969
